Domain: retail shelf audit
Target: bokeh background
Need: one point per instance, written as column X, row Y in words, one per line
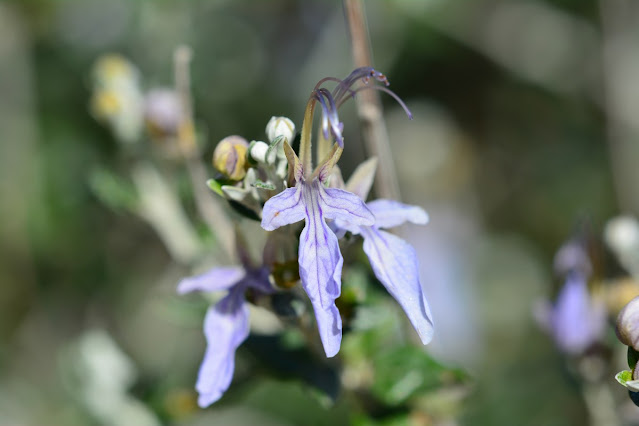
column 525, row 125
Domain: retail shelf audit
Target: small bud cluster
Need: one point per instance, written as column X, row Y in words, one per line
column 133, row 114
column 117, row 97
column 251, row 173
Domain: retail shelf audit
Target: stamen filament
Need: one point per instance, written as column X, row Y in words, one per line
column 305, row 140
column 386, row 90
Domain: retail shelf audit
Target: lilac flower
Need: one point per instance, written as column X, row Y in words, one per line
column 576, row 320
column 319, row 257
column 393, row 260
column 309, row 199
column 226, row 324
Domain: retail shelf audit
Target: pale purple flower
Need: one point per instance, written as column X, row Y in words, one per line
column 319, row 258
column 226, row 324
column 393, row 260
column 577, row 319
column 309, row 199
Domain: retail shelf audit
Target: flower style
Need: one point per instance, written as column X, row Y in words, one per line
column 393, row 260
column 226, row 324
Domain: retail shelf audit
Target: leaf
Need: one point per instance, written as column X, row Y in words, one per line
column 112, row 190
column 633, row 357
column 296, row 362
column 263, row 185
column 215, row 187
column 407, row 371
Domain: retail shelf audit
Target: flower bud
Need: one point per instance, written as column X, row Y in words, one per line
column 162, row 112
column 280, row 126
column 257, row 151
column 627, row 328
column 229, row 157
column 113, row 70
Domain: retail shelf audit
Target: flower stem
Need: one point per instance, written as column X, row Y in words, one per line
column 369, row 107
column 208, row 208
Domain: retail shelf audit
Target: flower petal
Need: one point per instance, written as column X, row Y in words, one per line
column 226, row 326
column 395, row 265
column 213, row 280
column 389, row 213
column 321, row 272
column 283, row 209
column 361, row 180
column 341, row 205
column 258, row 279
column 572, row 320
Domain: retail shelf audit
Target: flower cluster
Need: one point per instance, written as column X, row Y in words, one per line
column 274, row 184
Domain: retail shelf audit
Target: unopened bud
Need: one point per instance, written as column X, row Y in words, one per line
column 257, row 151
column 627, row 328
column 229, row 157
column 280, row 127
column 113, row 70
column 163, row 112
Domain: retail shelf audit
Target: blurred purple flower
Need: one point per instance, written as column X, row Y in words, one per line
column 575, row 321
column 226, row 324
column 393, row 260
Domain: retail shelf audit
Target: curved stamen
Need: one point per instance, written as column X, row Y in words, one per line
column 331, row 101
column 363, row 73
column 386, row 90
column 324, row 80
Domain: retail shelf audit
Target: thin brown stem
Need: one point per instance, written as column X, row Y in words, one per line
column 208, row 207
column 369, row 107
column 619, row 19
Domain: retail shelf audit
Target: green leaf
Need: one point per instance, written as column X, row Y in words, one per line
column 263, row 185
column 404, row 372
column 624, row 376
column 633, row 357
column 215, row 187
column 112, row 190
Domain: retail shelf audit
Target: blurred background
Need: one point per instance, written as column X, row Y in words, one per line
column 525, row 125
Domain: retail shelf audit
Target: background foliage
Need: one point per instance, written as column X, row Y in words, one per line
column 516, row 104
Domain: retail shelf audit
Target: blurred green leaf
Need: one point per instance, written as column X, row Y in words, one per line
column 297, row 363
column 403, row 419
column 112, row 190
column 633, row 357
column 403, row 372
